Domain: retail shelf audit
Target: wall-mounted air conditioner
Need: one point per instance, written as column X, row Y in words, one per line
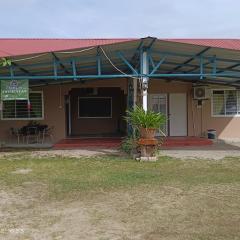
column 201, row 92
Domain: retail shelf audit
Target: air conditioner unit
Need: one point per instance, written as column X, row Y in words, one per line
column 201, row 93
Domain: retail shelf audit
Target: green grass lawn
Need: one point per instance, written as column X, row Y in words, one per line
column 67, row 175
column 179, row 199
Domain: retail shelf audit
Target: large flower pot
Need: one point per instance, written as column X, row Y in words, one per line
column 147, row 133
column 148, row 149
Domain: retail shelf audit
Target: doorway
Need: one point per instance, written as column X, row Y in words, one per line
column 178, row 114
column 159, row 103
column 96, row 112
column 174, row 106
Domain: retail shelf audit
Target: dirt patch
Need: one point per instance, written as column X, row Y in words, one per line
column 75, row 153
column 22, row 171
column 210, row 212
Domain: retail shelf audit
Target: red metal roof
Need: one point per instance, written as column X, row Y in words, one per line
column 232, row 44
column 14, row 47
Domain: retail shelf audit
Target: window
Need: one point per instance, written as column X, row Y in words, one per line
column 94, row 107
column 226, row 103
column 19, row 109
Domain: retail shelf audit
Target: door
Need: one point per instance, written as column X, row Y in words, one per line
column 158, row 103
column 178, row 114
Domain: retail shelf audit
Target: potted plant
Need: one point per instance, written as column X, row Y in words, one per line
column 146, row 122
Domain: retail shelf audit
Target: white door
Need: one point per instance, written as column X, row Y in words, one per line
column 158, row 103
column 178, row 114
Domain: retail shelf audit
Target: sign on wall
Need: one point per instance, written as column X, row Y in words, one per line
column 14, row 90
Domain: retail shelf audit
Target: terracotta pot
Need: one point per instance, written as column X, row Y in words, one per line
column 148, row 141
column 147, row 132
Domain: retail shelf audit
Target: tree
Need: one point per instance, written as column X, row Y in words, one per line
column 5, row 62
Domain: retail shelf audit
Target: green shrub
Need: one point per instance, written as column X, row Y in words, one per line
column 129, row 144
column 138, row 118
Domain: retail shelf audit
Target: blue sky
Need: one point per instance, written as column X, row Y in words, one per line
column 121, row 18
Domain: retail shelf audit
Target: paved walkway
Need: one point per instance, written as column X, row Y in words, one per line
column 216, row 151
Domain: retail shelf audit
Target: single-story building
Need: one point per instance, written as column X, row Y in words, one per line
column 82, row 87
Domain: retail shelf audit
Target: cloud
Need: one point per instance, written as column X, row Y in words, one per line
column 125, row 18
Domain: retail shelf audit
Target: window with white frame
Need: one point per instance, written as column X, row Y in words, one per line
column 226, row 103
column 23, row 109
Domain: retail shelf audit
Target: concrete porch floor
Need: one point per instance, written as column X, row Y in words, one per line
column 115, row 142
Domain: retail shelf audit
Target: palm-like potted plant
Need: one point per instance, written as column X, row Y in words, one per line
column 146, row 122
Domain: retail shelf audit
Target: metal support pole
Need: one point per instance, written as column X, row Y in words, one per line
column 74, row 69
column 201, row 67
column 214, row 63
column 135, row 82
column 12, row 72
column 55, row 68
column 130, row 103
column 145, row 79
column 99, row 62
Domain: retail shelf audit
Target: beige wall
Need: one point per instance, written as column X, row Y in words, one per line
column 88, row 126
column 227, row 127
column 54, row 109
column 200, row 119
column 54, row 114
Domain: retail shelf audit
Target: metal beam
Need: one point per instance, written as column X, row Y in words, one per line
column 188, row 80
column 206, row 80
column 158, row 65
column 230, row 67
column 190, row 59
column 74, row 69
column 201, row 67
column 152, row 42
column 60, row 63
column 151, row 61
column 127, row 63
column 99, row 65
column 204, row 65
column 55, row 68
column 11, row 72
column 155, row 75
column 135, row 57
column 20, row 68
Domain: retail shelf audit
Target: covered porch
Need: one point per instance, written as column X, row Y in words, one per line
column 84, row 92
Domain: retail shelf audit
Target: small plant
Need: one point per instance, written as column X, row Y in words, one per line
column 138, row 118
column 129, row 145
column 145, row 123
column 5, row 62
